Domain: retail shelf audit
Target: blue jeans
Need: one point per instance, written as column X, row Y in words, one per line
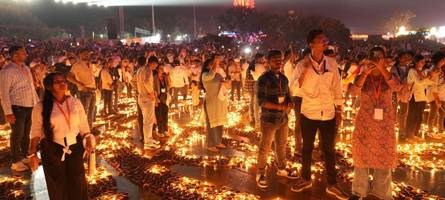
column 88, row 100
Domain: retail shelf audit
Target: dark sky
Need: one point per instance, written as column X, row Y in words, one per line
column 365, row 16
column 361, row 16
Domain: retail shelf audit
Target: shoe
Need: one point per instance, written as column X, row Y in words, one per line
column 221, row 146
column 261, row 181
column 355, row 197
column 19, row 166
column 213, row 149
column 152, row 145
column 301, row 185
column 335, row 191
column 287, row 174
column 25, row 161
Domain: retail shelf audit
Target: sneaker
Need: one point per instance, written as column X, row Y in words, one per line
column 261, row 180
column 19, row 166
column 287, row 174
column 335, row 191
column 301, row 185
column 152, row 145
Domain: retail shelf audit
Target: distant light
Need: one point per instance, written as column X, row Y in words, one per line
column 257, row 48
column 196, row 50
column 179, row 38
column 101, row 35
column 247, row 50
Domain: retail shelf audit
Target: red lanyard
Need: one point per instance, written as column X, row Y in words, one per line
column 67, row 117
column 376, row 89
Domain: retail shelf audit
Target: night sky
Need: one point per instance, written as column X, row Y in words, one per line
column 361, row 16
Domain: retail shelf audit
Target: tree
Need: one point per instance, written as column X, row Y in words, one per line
column 399, row 19
column 19, row 22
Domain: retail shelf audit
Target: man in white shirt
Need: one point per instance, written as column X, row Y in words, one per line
column 319, row 83
column 82, row 75
column 289, row 67
column 179, row 77
column 18, row 96
column 146, row 100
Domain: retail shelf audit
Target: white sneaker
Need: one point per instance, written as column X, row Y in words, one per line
column 19, row 166
column 287, row 174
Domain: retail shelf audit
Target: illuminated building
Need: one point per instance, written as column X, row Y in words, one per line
column 244, row 3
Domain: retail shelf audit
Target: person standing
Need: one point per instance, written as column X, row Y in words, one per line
column 161, row 86
column 374, row 140
column 419, row 81
column 235, row 77
column 275, row 102
column 321, row 110
column 60, row 126
column 195, row 72
column 141, row 61
column 400, row 70
column 106, row 82
column 215, row 104
column 288, row 69
column 18, row 96
column 82, row 75
column 180, row 81
column 438, row 61
column 147, row 100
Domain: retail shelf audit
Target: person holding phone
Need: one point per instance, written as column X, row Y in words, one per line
column 215, row 105
column 374, row 139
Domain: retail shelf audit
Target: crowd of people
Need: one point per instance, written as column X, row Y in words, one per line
column 48, row 94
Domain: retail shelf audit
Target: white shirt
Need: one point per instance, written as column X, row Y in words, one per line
column 84, row 74
column 16, row 87
column 259, row 70
column 289, row 73
column 78, row 121
column 419, row 86
column 106, row 79
column 179, row 77
column 144, row 81
column 321, row 92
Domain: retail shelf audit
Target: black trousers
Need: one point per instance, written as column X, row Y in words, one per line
column 297, row 132
column 162, row 117
column 108, row 101
column 415, row 117
column 19, row 139
column 64, row 180
column 327, row 130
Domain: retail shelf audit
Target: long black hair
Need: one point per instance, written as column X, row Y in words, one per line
column 47, row 104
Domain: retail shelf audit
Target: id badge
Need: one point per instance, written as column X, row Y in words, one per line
column 162, row 90
column 280, row 99
column 378, row 114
